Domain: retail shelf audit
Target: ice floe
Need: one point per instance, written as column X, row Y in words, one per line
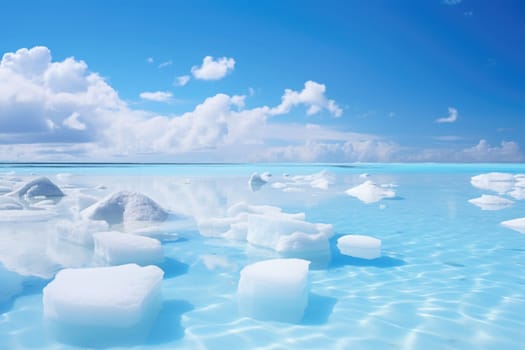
column 131, row 209
column 275, row 290
column 117, row 296
column 117, row 248
column 270, row 227
column 256, row 181
column 370, row 192
column 359, row 246
column 496, row 182
column 490, row 202
column 515, row 224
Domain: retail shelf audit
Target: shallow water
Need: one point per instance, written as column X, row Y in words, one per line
column 450, row 276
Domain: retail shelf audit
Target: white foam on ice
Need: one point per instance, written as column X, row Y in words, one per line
column 131, row 209
column 39, row 187
column 515, row 224
column 275, row 290
column 117, row 248
column 359, row 246
column 490, row 202
column 118, row 296
column 370, row 192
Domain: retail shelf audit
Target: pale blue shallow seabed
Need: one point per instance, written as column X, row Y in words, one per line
column 450, row 275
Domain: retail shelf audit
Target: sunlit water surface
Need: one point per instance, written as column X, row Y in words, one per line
column 450, row 276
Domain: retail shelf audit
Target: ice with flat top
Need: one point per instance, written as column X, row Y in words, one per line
column 117, row 296
column 490, row 202
column 515, row 224
column 128, row 208
column 117, row 248
column 359, row 246
column 496, row 182
column 274, row 290
column 370, row 192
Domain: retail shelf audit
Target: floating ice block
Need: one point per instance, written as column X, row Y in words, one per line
column 256, row 182
column 489, row 202
column 497, row 182
column 370, row 192
column 126, row 207
column 118, row 296
column 275, row 290
column 123, row 248
column 358, row 246
column 515, row 224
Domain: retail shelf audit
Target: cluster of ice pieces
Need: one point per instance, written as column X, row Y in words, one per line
column 512, row 185
column 274, row 290
column 370, row 192
column 321, row 180
column 270, row 227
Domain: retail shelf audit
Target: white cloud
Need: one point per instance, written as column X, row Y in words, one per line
column 507, row 151
column 313, row 96
column 213, row 69
column 452, row 116
column 72, row 122
column 182, row 80
column 165, row 64
column 157, row 96
column 150, row 60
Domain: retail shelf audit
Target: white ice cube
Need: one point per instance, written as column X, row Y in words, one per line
column 274, row 290
column 123, row 248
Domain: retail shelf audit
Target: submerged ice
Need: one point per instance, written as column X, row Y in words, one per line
column 359, row 246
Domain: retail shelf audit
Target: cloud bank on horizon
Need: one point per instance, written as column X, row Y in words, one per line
column 61, row 111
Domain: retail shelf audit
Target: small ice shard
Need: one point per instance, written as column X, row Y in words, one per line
column 123, row 248
column 359, row 246
column 266, row 176
column 515, row 224
column 364, row 175
column 517, row 193
column 321, row 180
column 39, row 187
column 274, row 290
column 496, row 182
column 118, row 296
column 128, row 208
column 489, row 202
column 9, row 203
column 369, row 192
column 256, row 182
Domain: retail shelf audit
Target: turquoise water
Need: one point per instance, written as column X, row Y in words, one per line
column 450, row 276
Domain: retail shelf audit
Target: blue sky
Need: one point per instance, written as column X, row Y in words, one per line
column 367, row 80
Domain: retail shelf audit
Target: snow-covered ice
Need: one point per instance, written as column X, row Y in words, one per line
column 128, row 208
column 118, row 248
column 39, row 187
column 359, row 246
column 274, row 290
column 490, row 202
column 515, row 224
column 496, row 182
column 9, row 203
column 370, row 192
column 118, row 296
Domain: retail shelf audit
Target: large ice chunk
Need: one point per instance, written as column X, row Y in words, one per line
column 118, row 296
column 274, row 290
column 370, row 192
column 515, row 224
column 497, row 182
column 39, row 187
column 359, row 246
column 128, row 208
column 490, row 202
column 122, row 248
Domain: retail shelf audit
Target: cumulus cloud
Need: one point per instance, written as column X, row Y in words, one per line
column 73, row 122
column 452, row 116
column 213, row 69
column 150, row 60
column 312, row 95
column 507, row 151
column 157, row 96
column 182, row 80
